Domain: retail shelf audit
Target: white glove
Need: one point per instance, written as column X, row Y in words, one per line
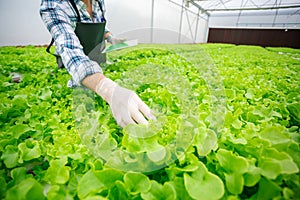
column 126, row 106
column 114, row 41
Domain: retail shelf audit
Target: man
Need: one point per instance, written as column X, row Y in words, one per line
column 61, row 20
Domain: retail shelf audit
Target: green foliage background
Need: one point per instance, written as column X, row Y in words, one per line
column 253, row 155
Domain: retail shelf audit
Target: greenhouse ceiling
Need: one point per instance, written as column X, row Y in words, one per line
column 212, row 6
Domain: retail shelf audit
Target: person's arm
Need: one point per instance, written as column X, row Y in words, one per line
column 126, row 106
column 58, row 22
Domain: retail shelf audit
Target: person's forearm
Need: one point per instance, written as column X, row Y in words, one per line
column 92, row 81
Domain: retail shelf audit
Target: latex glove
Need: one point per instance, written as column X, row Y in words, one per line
column 126, row 106
column 114, row 41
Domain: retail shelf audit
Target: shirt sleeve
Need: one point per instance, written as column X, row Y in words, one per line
column 68, row 46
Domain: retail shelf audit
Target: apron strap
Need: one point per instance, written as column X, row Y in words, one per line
column 78, row 20
column 76, row 10
column 49, row 46
column 101, row 8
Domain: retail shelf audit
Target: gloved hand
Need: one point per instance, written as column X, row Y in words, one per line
column 112, row 40
column 126, row 106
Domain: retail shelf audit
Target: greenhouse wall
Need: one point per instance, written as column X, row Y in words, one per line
column 263, row 37
column 256, row 27
column 167, row 22
column 149, row 21
column 153, row 21
column 286, row 18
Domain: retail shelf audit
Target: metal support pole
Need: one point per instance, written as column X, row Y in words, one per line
column 197, row 23
column 180, row 25
column 152, row 22
column 276, row 13
column 238, row 19
column 206, row 29
column 189, row 23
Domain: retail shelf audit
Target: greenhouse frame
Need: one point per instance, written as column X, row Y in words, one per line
column 194, row 18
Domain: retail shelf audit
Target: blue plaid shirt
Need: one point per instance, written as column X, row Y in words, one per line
column 60, row 19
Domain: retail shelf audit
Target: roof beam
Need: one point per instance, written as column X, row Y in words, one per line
column 198, row 6
column 253, row 8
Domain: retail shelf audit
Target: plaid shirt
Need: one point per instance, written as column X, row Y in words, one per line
column 60, row 19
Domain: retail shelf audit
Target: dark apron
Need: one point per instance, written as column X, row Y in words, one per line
column 91, row 37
